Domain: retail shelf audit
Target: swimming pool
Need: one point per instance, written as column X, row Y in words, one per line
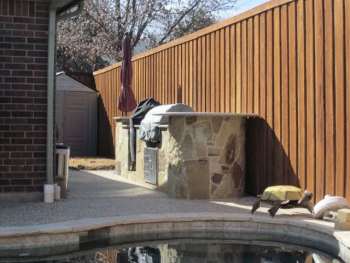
column 189, row 251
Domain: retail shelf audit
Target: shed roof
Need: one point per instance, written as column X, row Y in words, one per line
column 66, row 83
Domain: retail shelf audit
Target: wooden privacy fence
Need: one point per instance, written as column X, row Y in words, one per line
column 286, row 60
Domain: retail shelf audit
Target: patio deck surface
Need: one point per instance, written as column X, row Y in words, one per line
column 97, row 194
column 100, row 201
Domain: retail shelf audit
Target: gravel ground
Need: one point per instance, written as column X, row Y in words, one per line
column 94, row 194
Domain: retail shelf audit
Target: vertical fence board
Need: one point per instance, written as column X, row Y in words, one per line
column 347, row 94
column 232, row 72
column 256, row 63
column 284, row 92
column 238, row 68
column 339, row 96
column 250, row 67
column 319, row 96
column 310, row 88
column 329, row 98
column 227, row 62
column 269, row 95
column 293, row 95
column 277, row 126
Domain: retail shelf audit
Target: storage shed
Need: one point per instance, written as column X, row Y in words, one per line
column 76, row 115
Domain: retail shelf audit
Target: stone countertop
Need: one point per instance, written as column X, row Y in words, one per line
column 199, row 114
column 209, row 114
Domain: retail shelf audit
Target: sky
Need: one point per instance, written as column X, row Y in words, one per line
column 241, row 6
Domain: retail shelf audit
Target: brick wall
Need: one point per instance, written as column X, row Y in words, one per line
column 23, row 70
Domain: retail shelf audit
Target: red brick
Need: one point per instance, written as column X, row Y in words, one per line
column 23, row 60
column 15, row 107
column 22, row 100
column 6, row 19
column 18, row 189
column 21, row 155
column 38, row 27
column 22, row 114
column 14, row 52
column 5, row 59
column 4, row 182
column 15, row 66
column 15, row 161
column 13, row 134
column 23, row 46
column 23, row 20
column 15, row 39
column 42, row 34
column 22, row 86
column 5, row 45
column 23, row 91
column 40, row 73
column 5, row 73
column 21, row 168
column 26, row 73
column 37, row 53
column 23, row 33
column 4, row 32
column 15, row 80
column 22, row 141
column 37, row 40
column 37, row 67
column 13, row 148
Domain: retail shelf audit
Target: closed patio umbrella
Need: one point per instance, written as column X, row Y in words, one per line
column 126, row 100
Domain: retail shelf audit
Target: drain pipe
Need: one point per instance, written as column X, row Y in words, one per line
column 49, row 186
column 60, row 6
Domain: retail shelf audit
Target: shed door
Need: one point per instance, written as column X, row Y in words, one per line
column 78, row 124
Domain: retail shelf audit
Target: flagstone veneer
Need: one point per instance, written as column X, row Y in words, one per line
column 202, row 156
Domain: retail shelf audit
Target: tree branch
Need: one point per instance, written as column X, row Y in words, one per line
column 182, row 16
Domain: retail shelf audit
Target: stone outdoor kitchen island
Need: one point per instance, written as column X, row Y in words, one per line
column 201, row 155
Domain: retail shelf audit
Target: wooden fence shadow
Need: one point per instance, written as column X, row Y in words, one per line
column 267, row 163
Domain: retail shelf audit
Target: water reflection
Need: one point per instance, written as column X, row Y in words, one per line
column 198, row 252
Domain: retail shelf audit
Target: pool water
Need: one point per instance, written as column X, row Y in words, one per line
column 195, row 251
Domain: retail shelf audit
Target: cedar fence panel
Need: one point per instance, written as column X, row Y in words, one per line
column 287, row 61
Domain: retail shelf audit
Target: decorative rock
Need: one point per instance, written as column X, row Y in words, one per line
column 191, row 119
column 187, row 146
column 225, row 189
column 213, row 188
column 229, row 153
column 202, row 151
column 216, row 123
column 213, row 151
column 225, row 169
column 216, row 178
column 202, row 131
column 177, row 127
column 181, row 191
column 237, row 175
column 197, row 172
column 161, row 161
column 343, row 219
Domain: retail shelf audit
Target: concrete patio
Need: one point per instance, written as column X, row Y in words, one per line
column 96, row 194
column 102, row 205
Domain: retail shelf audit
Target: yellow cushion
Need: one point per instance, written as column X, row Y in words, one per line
column 282, row 192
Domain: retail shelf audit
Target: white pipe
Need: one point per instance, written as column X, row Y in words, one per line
column 51, row 77
column 50, row 97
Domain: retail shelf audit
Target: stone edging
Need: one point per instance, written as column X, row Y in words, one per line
column 68, row 236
